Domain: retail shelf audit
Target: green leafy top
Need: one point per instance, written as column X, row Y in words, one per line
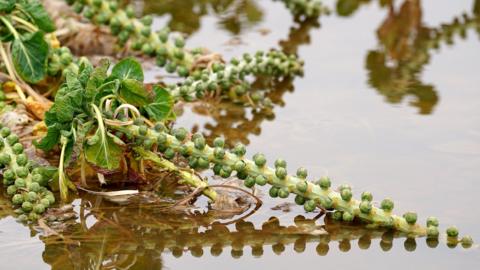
column 23, row 24
column 86, row 99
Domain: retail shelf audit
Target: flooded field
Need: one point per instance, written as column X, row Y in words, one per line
column 384, row 105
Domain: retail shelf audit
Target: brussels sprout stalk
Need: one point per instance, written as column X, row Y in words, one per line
column 312, row 195
column 187, row 178
column 24, row 183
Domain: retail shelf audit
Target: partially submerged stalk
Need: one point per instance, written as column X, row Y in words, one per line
column 186, row 177
column 310, row 195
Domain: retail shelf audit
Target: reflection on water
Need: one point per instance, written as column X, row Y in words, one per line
column 185, row 16
column 236, row 122
column 107, row 236
column 405, row 47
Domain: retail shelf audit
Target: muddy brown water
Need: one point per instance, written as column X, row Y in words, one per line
column 379, row 108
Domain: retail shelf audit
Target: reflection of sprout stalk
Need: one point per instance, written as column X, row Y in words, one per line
column 402, row 79
column 24, row 182
column 310, row 195
column 305, row 8
column 150, row 237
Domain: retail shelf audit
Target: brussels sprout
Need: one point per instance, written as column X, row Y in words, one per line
column 180, row 134
column 171, row 67
column 11, row 190
column 113, row 6
column 281, row 172
column 432, row 221
column 219, row 142
column 20, row 183
column 17, row 199
column 17, row 148
column 179, row 42
column 346, row 194
column 249, row 182
column 148, row 143
column 432, row 232
column 239, row 166
column 337, row 215
column 367, row 196
column 97, row 3
column 128, row 28
column 22, row 160
column 217, row 168
column 4, row 132
column 203, row 163
column 239, row 150
column 261, row 180
column 78, row 7
column 37, row 178
column 130, row 11
column 142, row 130
column 147, row 20
column 280, row 163
column 240, row 90
column 147, row 49
column 27, row 206
column 159, row 127
column 309, row 205
column 325, row 183
column 35, row 187
column 259, row 160
column 410, row 217
column 365, row 207
column 302, row 186
column 39, row 208
column 347, row 216
column 66, row 58
column 219, row 153
column 200, row 143
column 22, row 218
column 9, row 175
column 33, row 216
column 5, row 159
column 273, row 192
column 123, row 36
column 45, row 202
column 146, row 31
column 7, row 182
column 185, row 150
column 387, row 205
column 169, row 153
column 22, row 172
column 226, row 171
column 182, row 71
column 50, row 198
column 283, row 193
column 452, row 231
column 300, row 200
column 137, row 45
column 32, row 196
column 302, row 173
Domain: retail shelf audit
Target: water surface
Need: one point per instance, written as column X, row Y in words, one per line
column 380, row 108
